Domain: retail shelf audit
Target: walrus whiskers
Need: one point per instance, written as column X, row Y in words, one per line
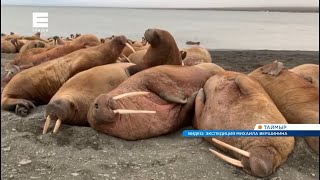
column 227, row 159
column 240, row 151
column 130, row 47
column 57, row 126
column 46, row 125
column 127, row 111
column 130, row 94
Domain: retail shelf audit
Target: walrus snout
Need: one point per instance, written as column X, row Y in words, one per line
column 102, row 109
column 121, row 39
column 260, row 162
column 62, row 109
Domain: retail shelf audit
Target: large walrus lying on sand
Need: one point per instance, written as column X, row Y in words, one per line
column 232, row 100
column 25, row 62
column 153, row 102
column 71, row 103
column 163, row 50
column 38, row 84
column 296, row 98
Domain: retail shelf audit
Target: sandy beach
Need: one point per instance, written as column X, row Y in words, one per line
column 82, row 153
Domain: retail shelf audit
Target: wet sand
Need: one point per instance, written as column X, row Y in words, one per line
column 82, row 153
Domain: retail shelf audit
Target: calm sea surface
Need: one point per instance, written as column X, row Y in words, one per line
column 214, row 29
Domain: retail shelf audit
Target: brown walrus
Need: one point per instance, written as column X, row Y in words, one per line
column 168, row 93
column 38, row 84
column 232, row 100
column 71, row 103
column 26, row 61
column 296, row 98
column 196, row 55
column 7, row 46
column 308, row 71
column 163, row 50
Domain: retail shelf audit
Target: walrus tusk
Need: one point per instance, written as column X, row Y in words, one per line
column 130, row 47
column 227, row 159
column 57, row 126
column 126, row 58
column 126, row 111
column 46, row 125
column 8, row 74
column 240, row 151
column 130, row 94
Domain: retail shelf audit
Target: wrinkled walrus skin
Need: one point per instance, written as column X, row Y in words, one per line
column 163, row 50
column 171, row 94
column 232, row 100
column 38, row 84
column 296, row 98
column 71, row 103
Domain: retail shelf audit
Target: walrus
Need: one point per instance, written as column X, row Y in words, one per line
column 30, row 60
column 192, row 43
column 231, row 100
column 71, row 103
column 308, row 71
column 163, row 50
column 151, row 103
column 32, row 44
column 296, row 98
column 196, row 55
column 7, row 46
column 12, row 70
column 38, row 84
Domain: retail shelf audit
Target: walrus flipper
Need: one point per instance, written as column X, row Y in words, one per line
column 21, row 107
column 273, row 69
column 133, row 70
column 199, row 103
column 187, row 110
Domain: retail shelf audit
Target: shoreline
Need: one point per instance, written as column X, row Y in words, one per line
column 248, row 9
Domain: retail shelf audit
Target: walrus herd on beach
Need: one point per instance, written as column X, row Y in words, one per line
column 146, row 88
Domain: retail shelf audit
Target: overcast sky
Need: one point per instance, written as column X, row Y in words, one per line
column 168, row 3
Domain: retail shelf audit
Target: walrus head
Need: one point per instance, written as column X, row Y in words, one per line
column 11, row 33
column 106, row 108
column 59, row 110
column 72, row 36
column 257, row 161
column 261, row 162
column 153, row 37
column 2, row 34
column 37, row 34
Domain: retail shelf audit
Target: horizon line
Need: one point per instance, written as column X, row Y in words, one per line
column 269, row 8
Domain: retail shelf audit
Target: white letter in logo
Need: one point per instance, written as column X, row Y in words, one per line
column 40, row 19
